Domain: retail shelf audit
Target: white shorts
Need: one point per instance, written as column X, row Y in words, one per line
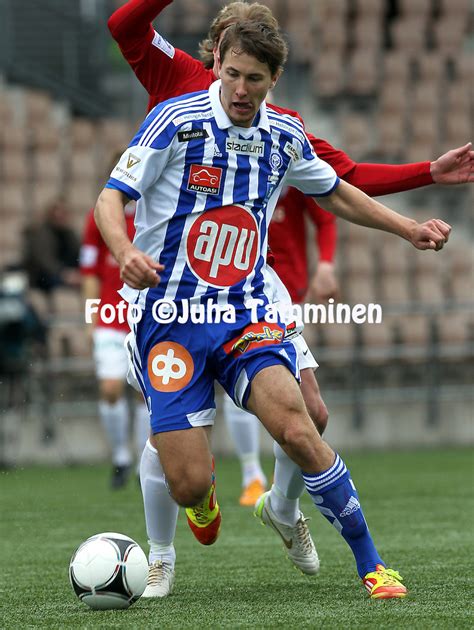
column 295, row 330
column 305, row 357
column 110, row 356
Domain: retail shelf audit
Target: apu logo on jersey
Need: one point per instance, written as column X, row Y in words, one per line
column 206, row 179
column 132, row 160
column 222, row 245
column 261, row 334
column 170, row 366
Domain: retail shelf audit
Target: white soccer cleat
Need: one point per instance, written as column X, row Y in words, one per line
column 297, row 539
column 160, row 580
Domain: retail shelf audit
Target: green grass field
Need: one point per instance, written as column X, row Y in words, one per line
column 418, row 505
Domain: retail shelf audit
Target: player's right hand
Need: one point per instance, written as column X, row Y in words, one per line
column 432, row 234
column 139, row 270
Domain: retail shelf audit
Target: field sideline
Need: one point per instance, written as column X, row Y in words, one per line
column 418, row 504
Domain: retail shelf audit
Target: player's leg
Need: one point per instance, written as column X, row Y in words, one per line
column 244, row 429
column 111, row 369
column 141, row 426
column 276, row 399
column 189, row 470
column 161, row 515
column 280, row 507
column 114, row 416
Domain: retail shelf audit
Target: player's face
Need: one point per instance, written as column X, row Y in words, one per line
column 245, row 83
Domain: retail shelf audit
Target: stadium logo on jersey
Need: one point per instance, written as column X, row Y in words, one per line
column 192, row 134
column 132, row 160
column 222, row 246
column 261, row 334
column 244, row 147
column 206, row 179
column 170, row 367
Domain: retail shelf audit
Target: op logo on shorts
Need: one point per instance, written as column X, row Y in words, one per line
column 170, row 366
column 206, row 179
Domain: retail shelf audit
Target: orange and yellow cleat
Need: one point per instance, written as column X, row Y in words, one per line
column 251, row 493
column 205, row 518
column 384, row 583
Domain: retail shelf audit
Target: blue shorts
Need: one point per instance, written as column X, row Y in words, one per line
column 177, row 363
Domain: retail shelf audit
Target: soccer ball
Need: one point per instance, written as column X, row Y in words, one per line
column 108, row 571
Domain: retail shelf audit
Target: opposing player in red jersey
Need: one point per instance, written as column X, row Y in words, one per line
column 101, row 280
column 166, row 72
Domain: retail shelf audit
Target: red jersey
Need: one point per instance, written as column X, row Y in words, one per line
column 165, row 72
column 96, row 260
column 287, row 234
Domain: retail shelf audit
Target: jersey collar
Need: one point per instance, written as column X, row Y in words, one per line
column 224, row 122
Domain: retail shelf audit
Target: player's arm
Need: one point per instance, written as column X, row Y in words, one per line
column 353, row 205
column 453, row 167
column 324, row 283
column 163, row 70
column 137, row 269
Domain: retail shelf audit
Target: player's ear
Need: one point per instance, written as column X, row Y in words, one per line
column 275, row 78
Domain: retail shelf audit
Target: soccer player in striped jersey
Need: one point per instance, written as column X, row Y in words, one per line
column 207, row 170
column 166, row 71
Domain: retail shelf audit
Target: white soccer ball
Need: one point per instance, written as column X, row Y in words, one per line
column 108, row 571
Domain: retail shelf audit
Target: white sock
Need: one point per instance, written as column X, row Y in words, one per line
column 244, row 429
column 288, row 486
column 161, row 511
column 141, row 428
column 114, row 418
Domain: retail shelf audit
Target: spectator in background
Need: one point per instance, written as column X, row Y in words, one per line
column 101, row 279
column 51, row 250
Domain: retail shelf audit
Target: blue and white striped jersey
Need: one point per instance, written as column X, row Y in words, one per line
column 206, row 192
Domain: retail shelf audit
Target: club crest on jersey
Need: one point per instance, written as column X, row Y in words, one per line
column 206, row 179
column 261, row 334
column 222, row 246
column 275, row 161
column 192, row 134
column 244, row 147
column 132, row 160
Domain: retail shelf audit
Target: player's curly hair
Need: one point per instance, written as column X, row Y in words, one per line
column 229, row 14
column 256, row 40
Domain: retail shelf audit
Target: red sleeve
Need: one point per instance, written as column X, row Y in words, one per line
column 384, row 179
column 90, row 247
column 326, row 229
column 163, row 71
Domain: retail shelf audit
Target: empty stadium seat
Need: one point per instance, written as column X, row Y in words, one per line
column 327, row 74
column 363, row 72
column 356, row 134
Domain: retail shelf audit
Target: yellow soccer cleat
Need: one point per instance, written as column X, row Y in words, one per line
column 384, row 583
column 205, row 518
column 251, row 493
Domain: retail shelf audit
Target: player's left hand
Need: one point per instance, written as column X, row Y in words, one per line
column 454, row 167
column 324, row 284
column 432, row 234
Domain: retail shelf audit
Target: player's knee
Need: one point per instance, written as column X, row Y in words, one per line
column 111, row 390
column 319, row 415
column 189, row 490
column 297, row 436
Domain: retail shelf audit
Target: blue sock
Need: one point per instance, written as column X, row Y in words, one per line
column 335, row 496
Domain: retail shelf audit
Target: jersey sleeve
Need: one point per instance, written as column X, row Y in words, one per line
column 326, row 229
column 309, row 173
column 385, row 179
column 142, row 164
column 163, row 70
column 90, row 247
